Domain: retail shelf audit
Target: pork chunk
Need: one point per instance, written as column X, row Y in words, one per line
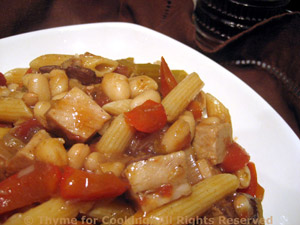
column 25, row 156
column 210, row 141
column 77, row 115
column 158, row 180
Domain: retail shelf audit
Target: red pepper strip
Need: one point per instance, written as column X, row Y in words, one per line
column 260, row 191
column 82, row 185
column 236, row 158
column 148, row 117
column 195, row 108
column 167, row 80
column 33, row 184
column 254, row 188
column 2, row 80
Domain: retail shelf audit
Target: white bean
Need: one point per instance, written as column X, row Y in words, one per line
column 176, row 137
column 77, row 154
column 244, row 177
column 93, row 162
column 242, row 206
column 140, row 84
column 116, row 86
column 38, row 84
column 30, row 99
column 147, row 95
column 58, row 82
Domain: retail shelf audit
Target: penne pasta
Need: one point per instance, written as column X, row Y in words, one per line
column 108, row 212
column 15, row 75
column 13, row 109
column 98, row 64
column 178, row 99
column 116, row 138
column 203, row 196
column 49, row 59
column 53, row 211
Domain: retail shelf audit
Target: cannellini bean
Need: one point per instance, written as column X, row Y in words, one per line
column 176, row 137
column 77, row 155
column 52, row 150
column 40, row 110
column 30, row 99
column 244, row 177
column 116, row 86
column 38, row 84
column 117, row 107
column 242, row 206
column 58, row 82
column 140, row 84
column 188, row 117
column 93, row 162
column 212, row 120
column 59, row 96
column 114, row 167
column 146, row 95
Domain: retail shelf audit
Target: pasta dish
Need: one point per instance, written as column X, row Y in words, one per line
column 90, row 140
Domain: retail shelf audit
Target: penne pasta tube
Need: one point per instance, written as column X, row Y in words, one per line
column 108, row 212
column 13, row 109
column 15, row 75
column 204, row 195
column 54, row 211
column 179, row 98
column 49, row 59
column 116, row 138
column 98, row 64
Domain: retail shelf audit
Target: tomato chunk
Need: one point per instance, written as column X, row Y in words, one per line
column 254, row 188
column 235, row 159
column 82, row 185
column 148, row 117
column 167, row 80
column 2, row 80
column 33, row 184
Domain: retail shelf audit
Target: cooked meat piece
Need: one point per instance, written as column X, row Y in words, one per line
column 25, row 156
column 162, row 176
column 76, row 115
column 210, row 141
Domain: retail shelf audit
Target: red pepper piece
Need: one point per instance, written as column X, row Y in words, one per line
column 148, row 117
column 82, row 185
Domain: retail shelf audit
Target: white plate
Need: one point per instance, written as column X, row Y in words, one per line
column 273, row 146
